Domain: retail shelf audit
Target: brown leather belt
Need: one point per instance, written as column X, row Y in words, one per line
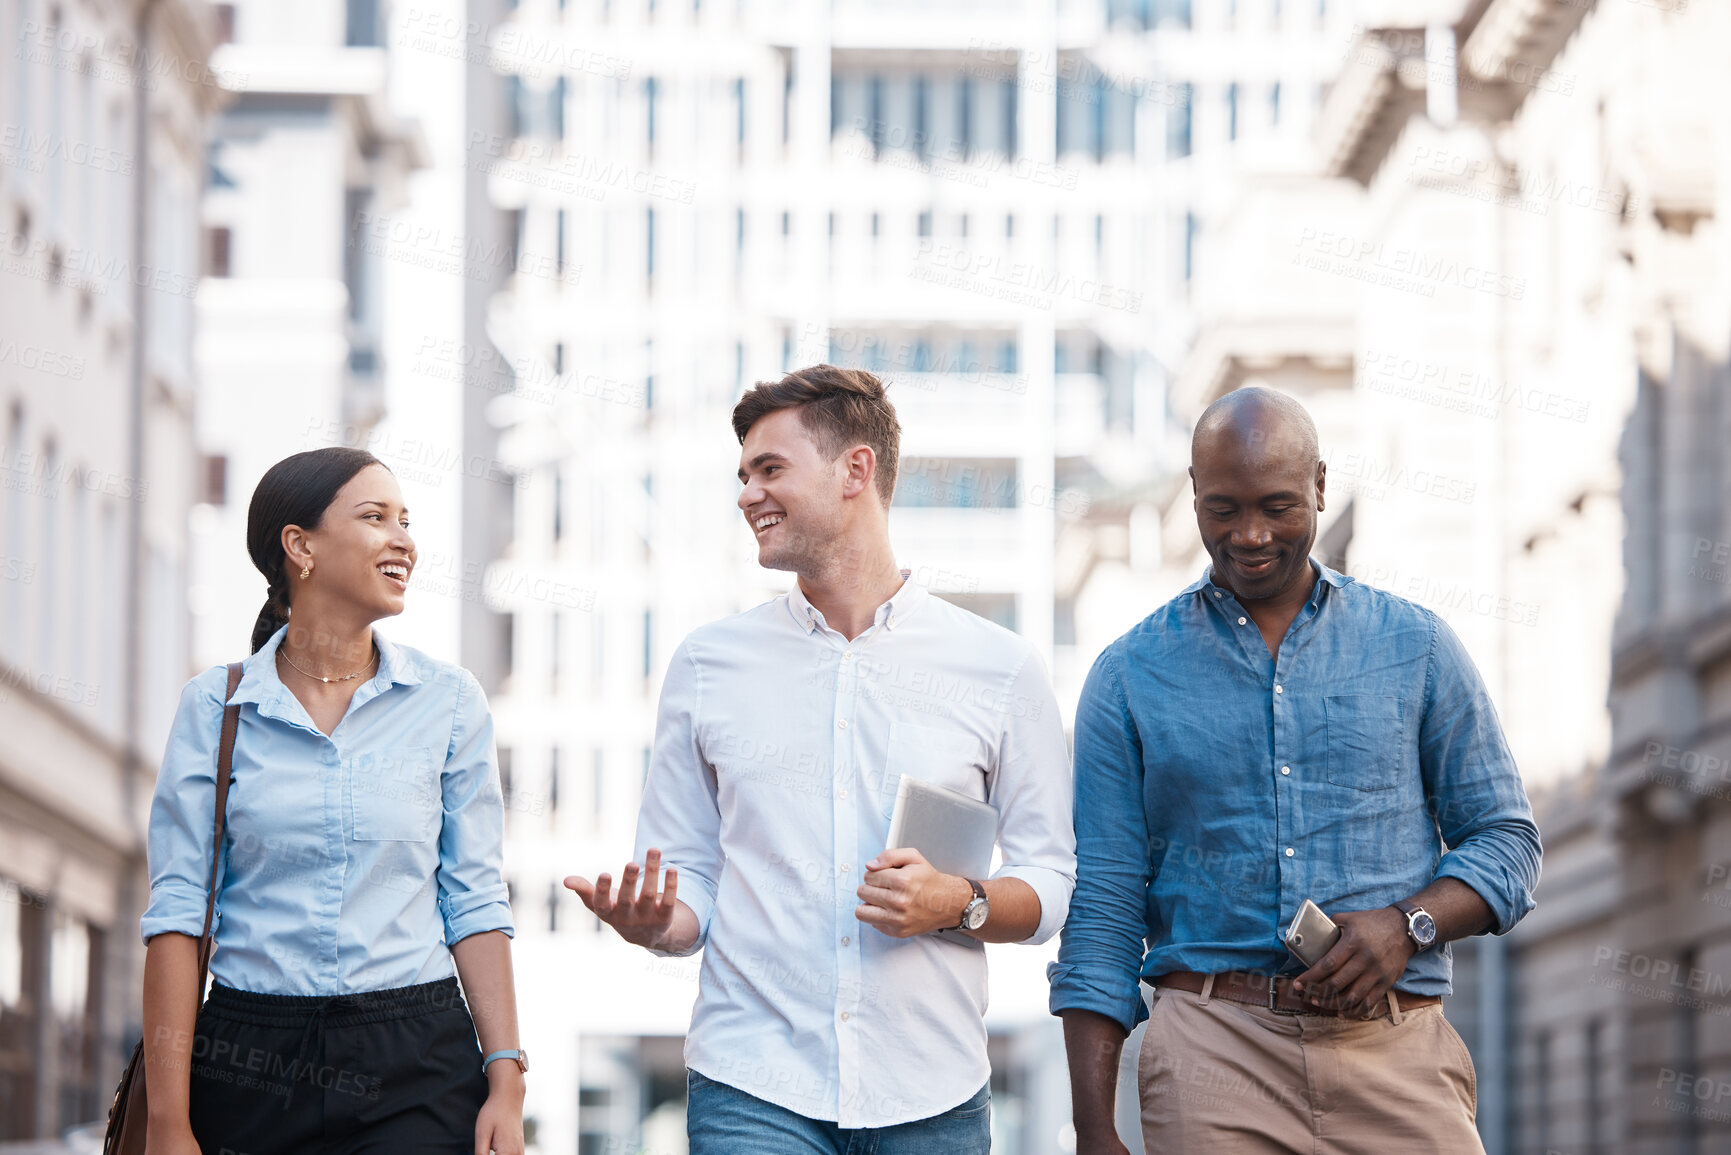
column 1276, row 995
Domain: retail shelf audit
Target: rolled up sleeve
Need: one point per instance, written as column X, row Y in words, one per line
column 680, row 815
column 1031, row 793
column 472, row 895
column 1473, row 786
column 183, row 815
column 1100, row 953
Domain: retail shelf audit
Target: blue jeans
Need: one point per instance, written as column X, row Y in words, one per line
column 723, row 1120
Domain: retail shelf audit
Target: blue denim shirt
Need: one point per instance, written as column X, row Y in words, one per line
column 351, row 860
column 1217, row 789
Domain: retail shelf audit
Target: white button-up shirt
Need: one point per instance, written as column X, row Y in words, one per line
column 777, row 752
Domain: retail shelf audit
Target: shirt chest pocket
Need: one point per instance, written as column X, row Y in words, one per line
column 1367, row 743
column 394, row 796
column 941, row 755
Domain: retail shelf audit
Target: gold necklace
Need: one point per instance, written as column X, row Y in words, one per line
column 344, row 678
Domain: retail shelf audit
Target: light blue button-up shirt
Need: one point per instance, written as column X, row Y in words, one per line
column 351, row 860
column 1218, row 788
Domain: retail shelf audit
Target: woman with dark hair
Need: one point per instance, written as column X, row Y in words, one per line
column 360, row 870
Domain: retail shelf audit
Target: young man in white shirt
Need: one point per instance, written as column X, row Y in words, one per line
column 831, row 1012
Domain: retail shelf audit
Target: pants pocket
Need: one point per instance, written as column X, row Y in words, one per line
column 1152, row 1055
column 1462, row 1066
column 979, row 1104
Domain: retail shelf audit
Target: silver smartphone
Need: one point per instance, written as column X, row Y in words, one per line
column 1311, row 934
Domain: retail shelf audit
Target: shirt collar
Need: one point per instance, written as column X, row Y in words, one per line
column 1324, row 577
column 900, row 607
column 395, row 669
column 260, row 683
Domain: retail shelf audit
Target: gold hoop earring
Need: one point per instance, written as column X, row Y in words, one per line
column 306, row 572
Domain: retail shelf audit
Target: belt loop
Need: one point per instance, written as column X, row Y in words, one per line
column 1207, row 989
column 1394, row 1007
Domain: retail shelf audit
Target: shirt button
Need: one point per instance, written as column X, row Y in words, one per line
column 844, row 1016
column 847, row 654
column 1277, row 690
column 1241, row 621
column 1216, row 593
column 1289, row 852
column 843, row 794
column 842, row 724
column 1286, row 769
column 845, row 868
column 844, row 940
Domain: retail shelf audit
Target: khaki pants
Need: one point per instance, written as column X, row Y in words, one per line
column 1222, row 1076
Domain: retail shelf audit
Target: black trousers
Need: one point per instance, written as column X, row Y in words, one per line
column 376, row 1072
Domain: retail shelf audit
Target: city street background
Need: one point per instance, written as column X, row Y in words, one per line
column 529, row 253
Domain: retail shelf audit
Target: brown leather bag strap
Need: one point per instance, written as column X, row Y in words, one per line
column 224, row 770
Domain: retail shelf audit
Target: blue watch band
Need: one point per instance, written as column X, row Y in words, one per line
column 499, row 1055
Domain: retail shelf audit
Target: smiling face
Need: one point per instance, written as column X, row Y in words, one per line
column 793, row 498
column 1258, row 488
column 361, row 553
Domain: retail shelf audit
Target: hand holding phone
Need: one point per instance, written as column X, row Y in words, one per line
column 1311, row 934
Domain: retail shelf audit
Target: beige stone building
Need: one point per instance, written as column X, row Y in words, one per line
column 103, row 113
column 1619, row 1037
column 1501, row 286
column 1603, row 1015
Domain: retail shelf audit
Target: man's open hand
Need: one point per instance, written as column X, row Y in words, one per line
column 644, row 918
column 904, row 895
column 1361, row 968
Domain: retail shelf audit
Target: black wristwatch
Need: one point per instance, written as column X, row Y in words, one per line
column 974, row 914
column 1420, row 926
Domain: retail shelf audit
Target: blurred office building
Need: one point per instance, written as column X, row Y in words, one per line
column 304, row 162
column 992, row 205
column 105, row 110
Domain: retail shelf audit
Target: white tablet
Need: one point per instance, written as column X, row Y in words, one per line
column 954, row 832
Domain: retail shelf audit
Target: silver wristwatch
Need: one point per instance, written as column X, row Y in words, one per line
column 974, row 914
column 1420, row 926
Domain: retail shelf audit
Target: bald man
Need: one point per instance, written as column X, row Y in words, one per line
column 1276, row 733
